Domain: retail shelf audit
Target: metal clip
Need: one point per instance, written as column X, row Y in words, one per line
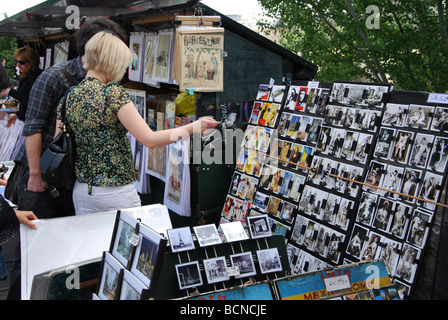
column 54, row 193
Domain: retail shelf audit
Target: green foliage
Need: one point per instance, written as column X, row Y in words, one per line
column 408, row 49
column 7, row 48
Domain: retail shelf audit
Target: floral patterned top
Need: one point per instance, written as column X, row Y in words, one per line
column 103, row 151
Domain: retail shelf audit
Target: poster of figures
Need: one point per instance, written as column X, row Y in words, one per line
column 200, row 63
column 177, row 183
column 162, row 67
column 136, row 44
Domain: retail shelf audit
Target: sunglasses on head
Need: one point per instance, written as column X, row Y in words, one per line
column 21, row 62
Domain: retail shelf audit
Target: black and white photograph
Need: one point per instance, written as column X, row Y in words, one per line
column 418, row 228
column 109, row 278
column 283, row 125
column 269, row 260
column 207, row 235
column 335, row 115
column 411, row 184
column 122, row 246
column 384, row 142
column 322, row 241
column 181, row 239
column 440, row 119
column 148, row 255
column 363, row 147
column 392, row 180
column 336, row 142
column 296, row 187
column 324, row 139
column 390, row 254
column 216, row 269
column 245, row 263
column 350, row 142
column 330, row 209
column 335, row 246
column 419, row 116
column 311, row 232
column 430, row 190
column 298, row 231
column 189, row 275
column 358, row 239
column 383, row 214
column 259, row 226
column 395, row 114
column 291, row 98
column 371, row 247
column 233, row 231
column 407, row 264
column 439, row 155
column 400, row 220
column 421, row 150
column 312, row 201
column 344, row 214
column 402, row 146
column 131, row 287
column 366, row 209
column 374, row 176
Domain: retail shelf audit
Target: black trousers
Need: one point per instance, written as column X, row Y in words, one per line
column 51, row 203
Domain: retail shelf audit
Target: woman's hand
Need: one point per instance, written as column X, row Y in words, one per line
column 206, row 123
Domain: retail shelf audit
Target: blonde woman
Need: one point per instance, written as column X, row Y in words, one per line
column 100, row 113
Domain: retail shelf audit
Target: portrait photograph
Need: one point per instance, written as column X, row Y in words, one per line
column 440, row 119
column 421, row 150
column 439, row 155
column 402, row 146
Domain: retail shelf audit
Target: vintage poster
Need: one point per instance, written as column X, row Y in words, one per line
column 162, row 67
column 150, row 59
column 177, row 184
column 200, row 64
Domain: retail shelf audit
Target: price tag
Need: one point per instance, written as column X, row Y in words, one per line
column 438, row 98
column 313, row 84
column 134, row 240
column 337, row 283
column 233, row 271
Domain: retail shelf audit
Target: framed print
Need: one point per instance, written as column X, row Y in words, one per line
column 216, row 270
column 131, row 287
column 269, row 260
column 189, row 275
column 148, row 256
column 259, row 226
column 109, row 278
column 125, row 229
column 162, row 67
column 233, row 231
column 207, row 235
column 201, row 63
column 180, row 239
column 245, row 263
column 136, row 44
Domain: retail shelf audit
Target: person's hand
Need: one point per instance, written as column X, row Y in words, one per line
column 26, row 218
column 206, row 123
column 3, row 181
column 36, row 183
column 12, row 117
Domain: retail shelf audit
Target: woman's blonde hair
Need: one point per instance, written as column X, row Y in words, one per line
column 29, row 55
column 108, row 53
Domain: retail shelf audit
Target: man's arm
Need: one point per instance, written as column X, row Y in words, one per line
column 33, row 144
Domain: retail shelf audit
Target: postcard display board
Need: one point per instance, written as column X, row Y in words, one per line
column 346, row 172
